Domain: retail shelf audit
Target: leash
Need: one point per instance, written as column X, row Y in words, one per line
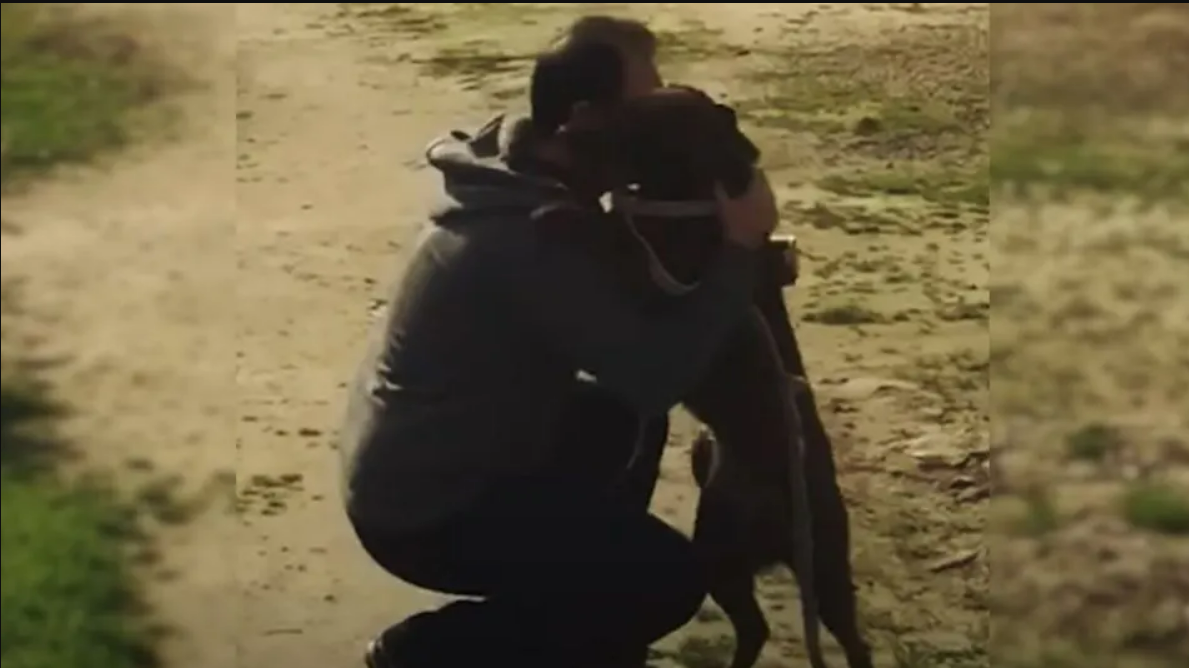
column 631, row 206
column 658, row 208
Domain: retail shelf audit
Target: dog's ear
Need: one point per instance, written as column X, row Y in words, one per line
column 739, row 154
column 748, row 151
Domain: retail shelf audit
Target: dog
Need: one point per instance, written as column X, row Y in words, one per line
column 755, row 508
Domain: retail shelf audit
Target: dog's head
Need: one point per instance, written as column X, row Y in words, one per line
column 674, row 146
column 664, row 153
column 677, row 142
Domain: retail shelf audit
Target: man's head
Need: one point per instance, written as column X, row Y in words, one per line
column 635, row 42
column 578, row 84
column 599, row 106
column 597, row 62
column 575, row 87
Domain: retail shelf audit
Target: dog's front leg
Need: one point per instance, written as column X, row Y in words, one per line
column 746, row 399
column 731, row 581
column 729, row 548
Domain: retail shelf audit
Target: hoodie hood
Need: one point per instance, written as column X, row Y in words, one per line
column 478, row 180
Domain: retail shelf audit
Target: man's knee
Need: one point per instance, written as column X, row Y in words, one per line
column 672, row 586
column 688, row 587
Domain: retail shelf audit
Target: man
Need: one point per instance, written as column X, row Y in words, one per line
column 455, row 428
column 593, row 415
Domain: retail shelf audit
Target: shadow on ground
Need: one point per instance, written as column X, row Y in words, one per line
column 70, row 598
column 74, row 88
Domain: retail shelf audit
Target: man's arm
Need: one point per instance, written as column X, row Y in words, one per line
column 650, row 361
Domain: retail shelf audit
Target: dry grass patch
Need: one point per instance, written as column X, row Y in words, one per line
column 1089, row 337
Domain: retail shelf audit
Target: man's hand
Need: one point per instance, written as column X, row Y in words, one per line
column 748, row 219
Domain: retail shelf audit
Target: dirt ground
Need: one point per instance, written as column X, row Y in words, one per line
column 1089, row 333
column 212, row 296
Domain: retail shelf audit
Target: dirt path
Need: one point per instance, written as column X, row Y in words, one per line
column 1091, row 412
column 128, row 278
column 264, row 288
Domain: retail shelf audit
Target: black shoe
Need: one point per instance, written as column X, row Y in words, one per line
column 374, row 656
column 391, row 647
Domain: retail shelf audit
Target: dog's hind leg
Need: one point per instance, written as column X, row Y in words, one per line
column 837, row 604
column 836, row 596
column 839, row 616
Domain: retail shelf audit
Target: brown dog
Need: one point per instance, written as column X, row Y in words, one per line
column 757, row 493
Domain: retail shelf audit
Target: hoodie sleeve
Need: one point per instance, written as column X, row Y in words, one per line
column 651, row 361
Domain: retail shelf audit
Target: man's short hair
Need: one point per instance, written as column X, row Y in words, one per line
column 628, row 35
column 585, row 64
column 570, row 74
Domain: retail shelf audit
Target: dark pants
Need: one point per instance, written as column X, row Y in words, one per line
column 565, row 566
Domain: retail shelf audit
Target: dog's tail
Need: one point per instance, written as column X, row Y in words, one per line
column 802, row 538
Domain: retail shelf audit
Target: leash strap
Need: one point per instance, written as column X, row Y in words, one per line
column 630, row 204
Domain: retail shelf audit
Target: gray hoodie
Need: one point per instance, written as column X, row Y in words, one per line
column 485, row 333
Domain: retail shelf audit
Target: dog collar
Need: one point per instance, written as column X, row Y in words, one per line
column 629, row 206
column 635, row 206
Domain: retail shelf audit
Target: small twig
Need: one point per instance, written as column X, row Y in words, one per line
column 955, row 561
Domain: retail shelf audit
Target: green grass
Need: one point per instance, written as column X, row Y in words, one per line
column 1087, row 101
column 1090, row 160
column 1157, row 507
column 69, row 598
column 70, row 89
column 845, row 314
column 932, row 184
column 1093, row 442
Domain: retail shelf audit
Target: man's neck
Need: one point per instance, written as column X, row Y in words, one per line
column 552, row 159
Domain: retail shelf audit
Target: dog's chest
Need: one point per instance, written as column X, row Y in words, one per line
column 653, row 260
column 668, row 256
column 760, row 508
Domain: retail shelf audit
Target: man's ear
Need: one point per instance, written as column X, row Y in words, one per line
column 590, row 136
